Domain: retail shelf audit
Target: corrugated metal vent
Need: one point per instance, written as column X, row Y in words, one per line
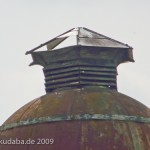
column 80, row 76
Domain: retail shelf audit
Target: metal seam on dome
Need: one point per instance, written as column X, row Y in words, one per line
column 75, row 117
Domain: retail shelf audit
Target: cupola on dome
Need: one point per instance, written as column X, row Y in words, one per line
column 82, row 108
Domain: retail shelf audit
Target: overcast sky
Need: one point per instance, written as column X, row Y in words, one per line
column 25, row 24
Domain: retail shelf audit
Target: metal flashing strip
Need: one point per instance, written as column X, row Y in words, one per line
column 75, row 117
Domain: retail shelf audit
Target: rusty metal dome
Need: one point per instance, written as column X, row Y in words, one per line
column 88, row 118
column 82, row 109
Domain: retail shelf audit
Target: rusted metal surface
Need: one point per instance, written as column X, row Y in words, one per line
column 90, row 100
column 57, row 118
column 82, row 134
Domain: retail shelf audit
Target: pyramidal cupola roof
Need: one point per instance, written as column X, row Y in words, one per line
column 83, row 37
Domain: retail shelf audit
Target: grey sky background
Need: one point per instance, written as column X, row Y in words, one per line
column 25, row 24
